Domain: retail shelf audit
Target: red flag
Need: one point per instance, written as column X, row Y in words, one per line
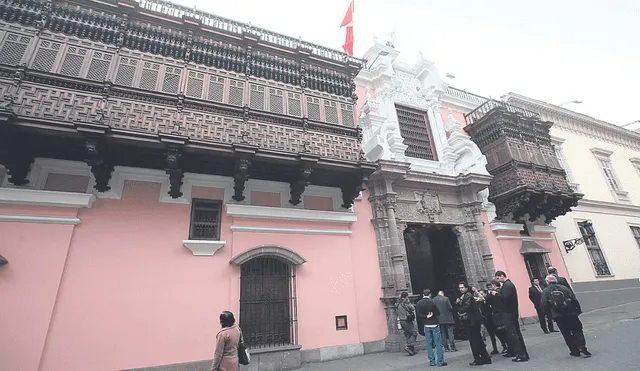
column 348, row 21
column 348, row 18
column 348, row 41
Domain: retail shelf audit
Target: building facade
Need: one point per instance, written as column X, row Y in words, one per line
column 601, row 237
column 434, row 222
column 161, row 165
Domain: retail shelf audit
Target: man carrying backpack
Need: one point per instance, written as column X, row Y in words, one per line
column 565, row 310
column 407, row 316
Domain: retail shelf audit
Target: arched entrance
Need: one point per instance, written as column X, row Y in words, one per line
column 268, row 307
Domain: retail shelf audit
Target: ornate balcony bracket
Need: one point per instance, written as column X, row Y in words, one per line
column 18, row 162
column 96, row 158
column 301, row 182
column 351, row 188
column 175, row 171
column 241, row 171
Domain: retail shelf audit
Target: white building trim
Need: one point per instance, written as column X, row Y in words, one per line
column 203, row 247
column 20, row 196
column 506, row 227
column 604, row 207
column 525, row 238
column 39, row 219
column 260, row 229
column 301, row 215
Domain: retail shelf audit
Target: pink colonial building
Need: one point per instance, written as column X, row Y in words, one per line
column 464, row 186
column 161, row 165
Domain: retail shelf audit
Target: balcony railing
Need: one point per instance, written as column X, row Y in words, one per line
column 178, row 11
column 463, row 94
column 492, row 104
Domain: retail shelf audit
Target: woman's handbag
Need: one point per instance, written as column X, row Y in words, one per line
column 243, row 354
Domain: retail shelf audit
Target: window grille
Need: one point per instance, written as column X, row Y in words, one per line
column 268, row 314
column 216, row 89
column 275, row 100
column 13, row 49
column 99, row 67
column 593, row 247
column 256, row 98
column 636, row 233
column 171, row 82
column 46, row 56
column 205, row 220
column 294, row 105
column 414, row 128
column 236, row 93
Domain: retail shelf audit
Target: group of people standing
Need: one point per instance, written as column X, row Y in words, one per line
column 497, row 309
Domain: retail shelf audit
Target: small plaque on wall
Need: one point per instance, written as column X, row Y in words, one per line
column 341, row 323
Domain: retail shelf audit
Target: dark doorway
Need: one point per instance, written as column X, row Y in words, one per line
column 537, row 265
column 435, row 261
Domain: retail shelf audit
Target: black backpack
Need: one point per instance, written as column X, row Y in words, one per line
column 559, row 300
column 411, row 314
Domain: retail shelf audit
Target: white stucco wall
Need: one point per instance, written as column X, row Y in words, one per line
column 611, row 220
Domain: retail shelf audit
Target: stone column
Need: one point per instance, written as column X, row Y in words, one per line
column 474, row 248
column 398, row 255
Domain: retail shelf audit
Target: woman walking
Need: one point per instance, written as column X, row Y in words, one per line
column 225, row 358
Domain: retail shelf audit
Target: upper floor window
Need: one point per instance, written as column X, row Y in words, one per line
column 593, row 248
column 636, row 233
column 416, row 132
column 205, row 220
column 603, row 157
column 636, row 163
column 562, row 161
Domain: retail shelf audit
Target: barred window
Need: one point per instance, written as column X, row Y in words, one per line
column 415, row 130
column 205, row 220
column 598, row 260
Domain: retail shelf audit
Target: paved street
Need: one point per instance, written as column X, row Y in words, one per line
column 612, row 337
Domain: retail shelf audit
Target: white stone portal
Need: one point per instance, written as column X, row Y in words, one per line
column 389, row 81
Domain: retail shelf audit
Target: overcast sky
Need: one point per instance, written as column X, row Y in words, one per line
column 552, row 50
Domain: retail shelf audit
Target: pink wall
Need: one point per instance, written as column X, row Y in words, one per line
column 507, row 257
column 29, row 283
column 130, row 295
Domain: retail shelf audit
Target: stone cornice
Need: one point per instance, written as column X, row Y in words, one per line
column 19, row 196
column 579, row 123
column 610, row 208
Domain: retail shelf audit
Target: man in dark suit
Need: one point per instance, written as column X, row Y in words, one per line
column 561, row 280
column 509, row 297
column 535, row 293
column 446, row 321
column 470, row 317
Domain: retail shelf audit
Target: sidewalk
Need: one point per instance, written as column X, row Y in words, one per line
column 541, row 346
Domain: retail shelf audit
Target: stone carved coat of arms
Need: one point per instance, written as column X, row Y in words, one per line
column 428, row 203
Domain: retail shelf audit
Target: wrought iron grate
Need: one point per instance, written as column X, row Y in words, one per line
column 414, row 128
column 268, row 303
column 205, row 220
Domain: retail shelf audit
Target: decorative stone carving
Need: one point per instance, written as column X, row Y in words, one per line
column 488, row 207
column 429, row 204
column 453, row 125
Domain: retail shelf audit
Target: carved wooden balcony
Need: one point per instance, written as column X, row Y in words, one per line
column 151, row 82
column 528, row 180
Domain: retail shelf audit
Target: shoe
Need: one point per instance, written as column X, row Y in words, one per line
column 554, row 331
column 442, row 364
column 408, row 350
column 487, row 361
column 474, row 363
column 518, row 359
column 575, row 354
column 447, row 350
column 432, row 364
column 454, row 349
column 495, row 351
column 509, row 355
column 586, row 352
column 546, row 331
